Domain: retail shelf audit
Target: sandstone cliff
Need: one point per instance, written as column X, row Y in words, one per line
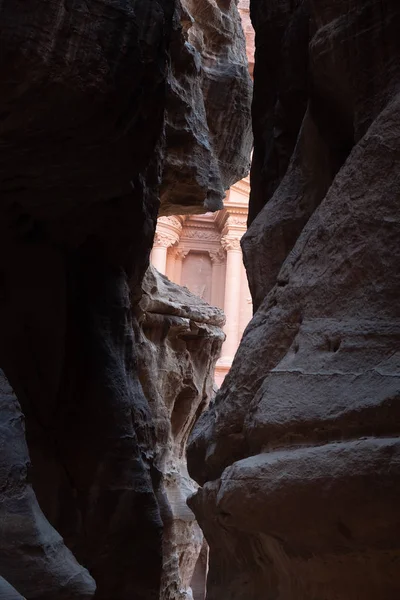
column 208, row 128
column 299, row 455
column 84, row 88
column 179, row 342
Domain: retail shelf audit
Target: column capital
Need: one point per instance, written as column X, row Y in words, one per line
column 172, row 222
column 168, row 232
column 163, row 240
column 180, row 253
column 217, row 256
column 231, row 243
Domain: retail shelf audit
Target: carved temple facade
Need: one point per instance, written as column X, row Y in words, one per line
column 202, row 252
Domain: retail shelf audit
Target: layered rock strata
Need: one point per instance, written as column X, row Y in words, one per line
column 299, row 455
column 179, row 340
column 82, row 131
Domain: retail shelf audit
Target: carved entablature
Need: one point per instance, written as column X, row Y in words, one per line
column 237, row 220
column 201, row 234
column 242, row 187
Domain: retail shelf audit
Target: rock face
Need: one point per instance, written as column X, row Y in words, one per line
column 208, row 129
column 179, row 342
column 33, row 553
column 82, row 104
column 8, row 592
column 244, row 10
column 299, row 455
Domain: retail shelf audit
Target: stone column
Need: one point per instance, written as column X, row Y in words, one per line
column 233, row 223
column 179, row 258
column 159, row 252
column 171, row 256
column 217, row 283
column 246, row 307
column 167, row 234
column 231, row 243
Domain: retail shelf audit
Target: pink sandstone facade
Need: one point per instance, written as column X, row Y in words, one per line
column 202, row 252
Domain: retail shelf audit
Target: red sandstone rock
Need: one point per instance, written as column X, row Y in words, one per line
column 82, row 150
column 299, row 453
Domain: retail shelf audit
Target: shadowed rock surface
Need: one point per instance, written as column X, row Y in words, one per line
column 82, row 148
column 299, row 453
column 179, row 341
column 33, row 553
column 208, row 129
column 8, row 592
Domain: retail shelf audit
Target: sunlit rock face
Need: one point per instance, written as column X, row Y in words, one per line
column 84, row 90
column 208, row 131
column 179, row 340
column 299, row 455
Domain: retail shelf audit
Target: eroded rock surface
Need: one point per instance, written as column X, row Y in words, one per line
column 179, row 341
column 82, row 150
column 208, row 130
column 299, row 453
column 8, row 592
column 33, row 554
column 248, row 30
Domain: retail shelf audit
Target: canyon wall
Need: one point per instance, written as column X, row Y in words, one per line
column 179, row 340
column 299, row 454
column 208, row 126
column 89, row 99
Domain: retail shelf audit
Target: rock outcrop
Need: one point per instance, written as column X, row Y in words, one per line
column 33, row 553
column 179, row 341
column 208, row 129
column 299, row 454
column 82, row 131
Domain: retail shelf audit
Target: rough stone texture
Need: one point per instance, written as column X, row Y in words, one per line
column 82, row 124
column 208, row 129
column 79, row 86
column 299, row 453
column 280, row 91
column 179, row 342
column 248, row 30
column 32, row 551
column 8, row 592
